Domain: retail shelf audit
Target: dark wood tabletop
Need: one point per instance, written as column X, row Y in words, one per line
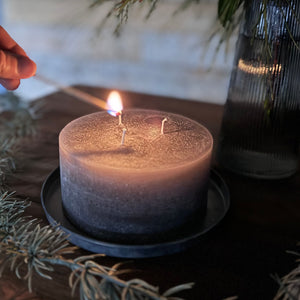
column 236, row 258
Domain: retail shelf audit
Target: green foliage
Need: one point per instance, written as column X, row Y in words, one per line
column 11, row 210
column 17, row 120
column 121, row 10
column 289, row 285
column 37, row 249
column 229, row 14
column 227, row 10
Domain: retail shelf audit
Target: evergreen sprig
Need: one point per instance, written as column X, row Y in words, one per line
column 229, row 14
column 121, row 10
column 17, row 120
column 289, row 285
column 11, row 210
column 26, row 244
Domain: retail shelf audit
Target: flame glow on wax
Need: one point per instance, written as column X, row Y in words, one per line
column 114, row 104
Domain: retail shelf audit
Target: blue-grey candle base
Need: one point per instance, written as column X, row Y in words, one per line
column 217, row 205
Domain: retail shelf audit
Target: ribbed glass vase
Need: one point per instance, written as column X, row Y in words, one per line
column 261, row 124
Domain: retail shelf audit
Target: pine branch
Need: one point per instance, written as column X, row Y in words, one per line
column 120, row 9
column 17, row 121
column 228, row 15
column 227, row 10
column 25, row 243
column 18, row 118
column 289, row 285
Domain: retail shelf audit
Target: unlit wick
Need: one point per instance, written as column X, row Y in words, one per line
column 123, row 136
column 163, row 125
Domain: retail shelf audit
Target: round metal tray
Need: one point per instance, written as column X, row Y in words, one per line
column 217, row 206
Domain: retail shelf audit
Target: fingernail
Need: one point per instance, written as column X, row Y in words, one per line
column 26, row 67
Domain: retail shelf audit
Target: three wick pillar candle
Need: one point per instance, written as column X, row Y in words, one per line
column 137, row 179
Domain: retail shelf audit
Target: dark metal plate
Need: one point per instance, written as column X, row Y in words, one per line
column 217, row 206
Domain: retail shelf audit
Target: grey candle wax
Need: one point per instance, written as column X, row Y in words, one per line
column 152, row 184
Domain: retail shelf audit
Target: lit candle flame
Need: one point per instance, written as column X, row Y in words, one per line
column 114, row 104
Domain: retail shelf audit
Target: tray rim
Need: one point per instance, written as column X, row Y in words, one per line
column 137, row 250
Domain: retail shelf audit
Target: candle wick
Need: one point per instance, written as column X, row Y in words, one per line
column 123, row 136
column 163, row 125
column 120, row 118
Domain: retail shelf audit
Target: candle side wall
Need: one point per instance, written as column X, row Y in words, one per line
column 130, row 206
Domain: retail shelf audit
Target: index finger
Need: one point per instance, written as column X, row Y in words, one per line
column 8, row 43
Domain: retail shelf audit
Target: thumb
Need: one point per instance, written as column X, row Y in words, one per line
column 14, row 66
column 10, row 84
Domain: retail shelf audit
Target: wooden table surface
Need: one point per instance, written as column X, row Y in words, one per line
column 235, row 258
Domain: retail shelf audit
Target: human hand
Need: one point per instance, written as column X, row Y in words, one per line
column 14, row 62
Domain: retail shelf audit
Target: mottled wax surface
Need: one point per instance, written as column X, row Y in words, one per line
column 97, row 139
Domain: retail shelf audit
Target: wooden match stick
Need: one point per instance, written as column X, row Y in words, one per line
column 80, row 95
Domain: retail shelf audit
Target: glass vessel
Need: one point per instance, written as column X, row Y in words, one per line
column 260, row 130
